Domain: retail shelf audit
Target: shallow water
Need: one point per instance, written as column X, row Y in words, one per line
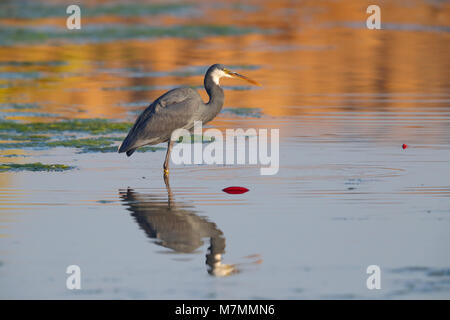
column 346, row 196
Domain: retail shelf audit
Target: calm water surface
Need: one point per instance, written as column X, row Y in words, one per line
column 346, row 196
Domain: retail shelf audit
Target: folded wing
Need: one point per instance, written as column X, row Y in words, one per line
column 173, row 110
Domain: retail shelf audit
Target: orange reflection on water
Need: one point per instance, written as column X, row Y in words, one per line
column 313, row 58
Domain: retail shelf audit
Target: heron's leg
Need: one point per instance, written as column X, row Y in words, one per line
column 169, row 191
column 166, row 162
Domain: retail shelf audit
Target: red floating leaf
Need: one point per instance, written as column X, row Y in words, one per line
column 404, row 146
column 235, row 190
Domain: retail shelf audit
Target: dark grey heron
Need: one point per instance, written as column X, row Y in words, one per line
column 176, row 109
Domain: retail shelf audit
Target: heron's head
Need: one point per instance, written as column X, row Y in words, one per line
column 217, row 71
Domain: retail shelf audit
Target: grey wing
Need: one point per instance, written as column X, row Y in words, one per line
column 171, row 111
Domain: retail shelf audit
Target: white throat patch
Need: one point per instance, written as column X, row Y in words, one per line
column 217, row 74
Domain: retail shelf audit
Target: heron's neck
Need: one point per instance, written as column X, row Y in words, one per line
column 216, row 96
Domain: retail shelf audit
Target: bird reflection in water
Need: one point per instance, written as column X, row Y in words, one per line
column 175, row 225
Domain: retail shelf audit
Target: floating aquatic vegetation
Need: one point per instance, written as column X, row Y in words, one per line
column 26, row 115
column 14, row 63
column 21, row 141
column 95, row 149
column 36, row 9
column 101, row 144
column 21, row 135
column 38, row 141
column 23, row 145
column 19, row 106
column 244, row 7
column 111, row 32
column 35, row 166
column 84, row 145
column 92, row 126
column 137, row 9
column 24, row 137
column 244, row 112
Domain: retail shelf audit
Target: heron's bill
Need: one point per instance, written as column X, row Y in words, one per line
column 237, row 75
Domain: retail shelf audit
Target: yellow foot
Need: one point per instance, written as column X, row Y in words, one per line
column 166, row 172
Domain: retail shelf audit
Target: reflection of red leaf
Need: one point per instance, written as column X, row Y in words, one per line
column 235, row 190
column 404, row 146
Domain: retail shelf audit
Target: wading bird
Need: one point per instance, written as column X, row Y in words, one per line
column 178, row 109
